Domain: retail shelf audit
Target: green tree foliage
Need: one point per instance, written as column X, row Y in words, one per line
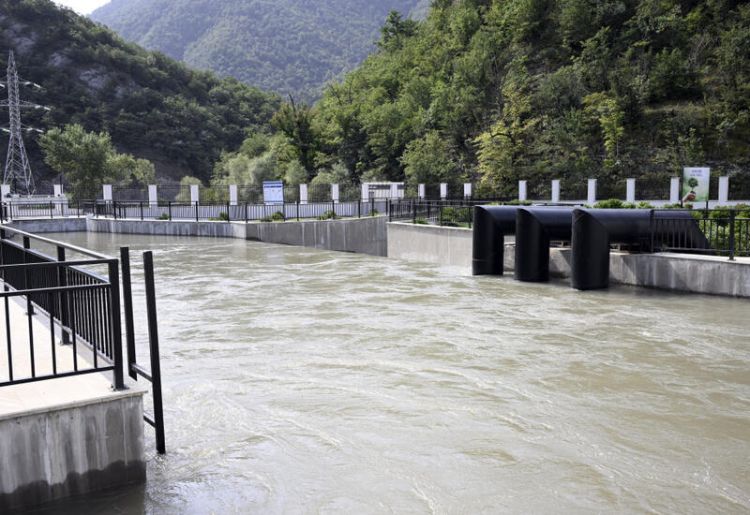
column 89, row 159
column 288, row 46
column 497, row 90
column 152, row 106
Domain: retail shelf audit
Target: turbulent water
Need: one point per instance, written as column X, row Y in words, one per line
column 304, row 381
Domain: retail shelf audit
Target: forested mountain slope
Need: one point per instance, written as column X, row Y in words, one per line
column 152, row 106
column 497, row 90
column 287, row 46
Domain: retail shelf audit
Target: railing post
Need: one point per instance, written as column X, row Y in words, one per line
column 153, row 340
column 732, row 217
column 62, row 280
column 51, row 210
column 127, row 296
column 414, row 212
column 196, row 211
column 440, row 214
column 229, row 216
column 169, row 209
column 140, row 205
column 359, row 208
column 115, row 328
column 297, row 211
column 245, row 212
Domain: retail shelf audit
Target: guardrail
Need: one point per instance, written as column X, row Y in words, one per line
column 79, row 306
column 727, row 232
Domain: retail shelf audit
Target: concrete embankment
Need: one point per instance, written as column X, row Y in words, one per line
column 681, row 272
column 362, row 235
column 45, row 225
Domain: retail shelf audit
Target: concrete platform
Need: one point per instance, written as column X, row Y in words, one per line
column 66, row 436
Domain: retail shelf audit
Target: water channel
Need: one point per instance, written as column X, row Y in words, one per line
column 305, row 381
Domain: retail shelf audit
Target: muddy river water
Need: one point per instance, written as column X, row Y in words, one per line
column 305, row 381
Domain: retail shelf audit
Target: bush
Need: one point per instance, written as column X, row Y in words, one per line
column 278, row 216
column 163, row 216
column 644, row 205
column 224, row 216
column 515, row 202
column 374, row 212
column 454, row 216
column 420, row 221
column 613, row 203
column 328, row 215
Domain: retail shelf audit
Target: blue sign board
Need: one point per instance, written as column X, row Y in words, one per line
column 273, row 192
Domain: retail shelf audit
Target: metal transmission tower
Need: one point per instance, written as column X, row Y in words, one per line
column 17, row 169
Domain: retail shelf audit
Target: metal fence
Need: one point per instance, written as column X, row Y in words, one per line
column 726, row 230
column 57, row 209
column 79, row 306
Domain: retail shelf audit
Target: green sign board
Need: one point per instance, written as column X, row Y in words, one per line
column 695, row 184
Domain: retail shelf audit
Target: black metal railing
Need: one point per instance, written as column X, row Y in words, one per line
column 57, row 209
column 727, row 232
column 80, row 307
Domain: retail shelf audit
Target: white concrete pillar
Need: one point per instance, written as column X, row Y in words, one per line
column 630, row 191
column 591, row 193
column 555, row 191
column 467, row 190
column 674, row 190
column 394, row 190
column 335, row 193
column 365, row 191
column 5, row 190
column 421, row 191
column 303, row 193
column 522, row 191
column 723, row 190
column 107, row 191
column 58, row 190
column 195, row 194
column 153, row 194
column 443, row 190
column 233, row 195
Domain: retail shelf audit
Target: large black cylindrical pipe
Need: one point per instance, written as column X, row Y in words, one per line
column 590, row 252
column 535, row 228
column 491, row 224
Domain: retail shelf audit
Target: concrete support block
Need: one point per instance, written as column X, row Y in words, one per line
column 195, row 194
column 630, row 190
column 723, row 190
column 107, row 192
column 365, row 191
column 555, row 191
column 5, row 190
column 674, row 190
column 153, row 195
column 522, row 190
column 303, row 193
column 421, row 191
column 467, row 190
column 58, row 190
column 394, row 190
column 591, row 193
column 335, row 193
column 233, row 195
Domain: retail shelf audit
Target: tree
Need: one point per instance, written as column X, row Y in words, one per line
column 88, row 160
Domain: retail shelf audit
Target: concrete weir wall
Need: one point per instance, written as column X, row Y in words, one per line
column 681, row 272
column 69, row 450
column 41, row 225
column 362, row 235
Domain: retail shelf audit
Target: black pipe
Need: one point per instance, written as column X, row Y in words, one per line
column 491, row 224
column 535, row 228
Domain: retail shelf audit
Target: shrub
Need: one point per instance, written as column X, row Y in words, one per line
column 278, row 216
column 613, row 203
column 328, row 215
column 163, row 216
column 224, row 216
column 420, row 221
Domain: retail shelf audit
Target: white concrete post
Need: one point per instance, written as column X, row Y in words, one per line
column 674, row 190
column 443, row 190
column 522, row 191
column 58, row 190
column 195, row 195
column 723, row 190
column 630, row 191
column 107, row 191
column 467, row 190
column 5, row 190
column 591, row 194
column 153, row 197
column 335, row 193
column 394, row 190
column 420, row 191
column 555, row 191
column 365, row 191
column 303, row 193
column 233, row 195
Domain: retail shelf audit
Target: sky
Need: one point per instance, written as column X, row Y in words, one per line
column 82, row 6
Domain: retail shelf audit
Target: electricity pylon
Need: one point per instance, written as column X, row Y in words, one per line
column 17, row 169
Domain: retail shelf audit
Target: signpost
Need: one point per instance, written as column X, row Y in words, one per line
column 273, row 192
column 695, row 184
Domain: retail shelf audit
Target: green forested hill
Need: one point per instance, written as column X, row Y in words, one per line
column 497, row 90
column 152, row 106
column 287, row 46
